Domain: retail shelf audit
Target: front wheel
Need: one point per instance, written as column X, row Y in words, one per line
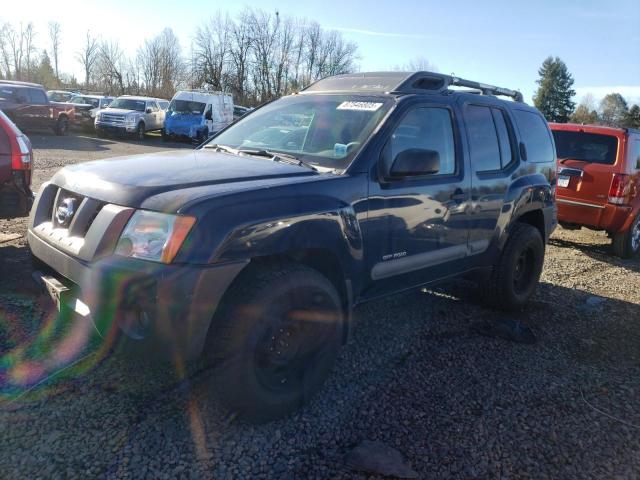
column 275, row 340
column 140, row 131
column 515, row 277
column 62, row 125
column 627, row 244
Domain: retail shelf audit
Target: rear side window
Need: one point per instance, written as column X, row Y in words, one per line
column 483, row 138
column 586, row 147
column 535, row 134
column 634, row 152
column 37, row 97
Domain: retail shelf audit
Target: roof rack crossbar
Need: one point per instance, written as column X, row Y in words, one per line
column 486, row 89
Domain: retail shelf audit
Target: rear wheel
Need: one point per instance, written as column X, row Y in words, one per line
column 514, row 279
column 62, row 125
column 275, row 341
column 627, row 244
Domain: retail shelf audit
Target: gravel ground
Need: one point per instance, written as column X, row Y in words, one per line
column 414, row 376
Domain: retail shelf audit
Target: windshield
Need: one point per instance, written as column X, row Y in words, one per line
column 128, row 104
column 325, row 130
column 587, row 147
column 185, row 106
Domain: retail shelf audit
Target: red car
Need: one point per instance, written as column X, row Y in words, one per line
column 599, row 182
column 16, row 160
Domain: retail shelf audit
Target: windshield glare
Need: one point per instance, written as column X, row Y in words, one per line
column 325, row 130
column 185, row 106
column 128, row 104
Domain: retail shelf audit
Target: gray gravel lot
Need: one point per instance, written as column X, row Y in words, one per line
column 414, row 376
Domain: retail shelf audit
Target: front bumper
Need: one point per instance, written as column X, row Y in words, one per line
column 117, row 129
column 16, row 198
column 159, row 309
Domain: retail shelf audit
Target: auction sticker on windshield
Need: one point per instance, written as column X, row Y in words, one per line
column 366, row 106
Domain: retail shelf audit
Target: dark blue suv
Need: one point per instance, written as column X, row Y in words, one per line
column 253, row 249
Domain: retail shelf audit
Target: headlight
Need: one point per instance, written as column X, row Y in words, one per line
column 154, row 236
column 131, row 118
column 98, row 115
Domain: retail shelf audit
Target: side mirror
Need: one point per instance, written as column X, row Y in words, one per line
column 208, row 115
column 21, row 99
column 415, row 161
column 149, row 110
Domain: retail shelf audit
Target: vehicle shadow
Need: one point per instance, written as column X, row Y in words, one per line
column 603, row 252
column 82, row 141
column 115, row 416
column 74, row 141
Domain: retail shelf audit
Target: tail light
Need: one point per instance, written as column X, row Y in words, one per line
column 620, row 189
column 20, row 153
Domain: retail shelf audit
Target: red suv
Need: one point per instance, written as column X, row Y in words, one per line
column 16, row 158
column 598, row 182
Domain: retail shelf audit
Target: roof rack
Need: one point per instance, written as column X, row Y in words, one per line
column 403, row 82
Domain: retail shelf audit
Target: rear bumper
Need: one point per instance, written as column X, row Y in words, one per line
column 16, row 198
column 160, row 310
column 602, row 217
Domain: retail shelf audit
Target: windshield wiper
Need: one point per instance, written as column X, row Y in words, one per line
column 222, row 148
column 278, row 157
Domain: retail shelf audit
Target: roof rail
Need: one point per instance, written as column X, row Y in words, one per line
column 403, row 82
column 20, row 83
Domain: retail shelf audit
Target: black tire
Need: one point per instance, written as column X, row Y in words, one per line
column 140, row 131
column 515, row 277
column 275, row 340
column 627, row 244
column 100, row 133
column 165, row 137
column 62, row 126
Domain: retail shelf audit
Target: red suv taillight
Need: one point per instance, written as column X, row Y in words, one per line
column 620, row 189
column 20, row 153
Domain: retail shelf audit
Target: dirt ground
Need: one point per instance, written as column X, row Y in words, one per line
column 414, row 376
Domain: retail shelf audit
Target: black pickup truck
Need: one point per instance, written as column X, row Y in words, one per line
column 253, row 249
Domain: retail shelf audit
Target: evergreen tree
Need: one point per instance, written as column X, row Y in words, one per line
column 583, row 115
column 613, row 110
column 554, row 94
column 632, row 118
column 44, row 73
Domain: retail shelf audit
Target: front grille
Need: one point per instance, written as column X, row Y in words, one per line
column 65, row 217
column 112, row 119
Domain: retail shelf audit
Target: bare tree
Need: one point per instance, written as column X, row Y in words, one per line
column 5, row 50
column 111, row 67
column 212, row 49
column 88, row 56
column 54, row 37
column 239, row 54
column 29, row 34
column 161, row 63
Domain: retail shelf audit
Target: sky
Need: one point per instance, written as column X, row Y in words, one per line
column 497, row 42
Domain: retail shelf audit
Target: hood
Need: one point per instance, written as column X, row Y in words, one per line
column 128, row 181
column 120, row 111
column 80, row 106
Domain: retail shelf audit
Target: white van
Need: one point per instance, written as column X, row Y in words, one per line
column 197, row 114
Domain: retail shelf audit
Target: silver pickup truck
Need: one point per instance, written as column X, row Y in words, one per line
column 131, row 115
